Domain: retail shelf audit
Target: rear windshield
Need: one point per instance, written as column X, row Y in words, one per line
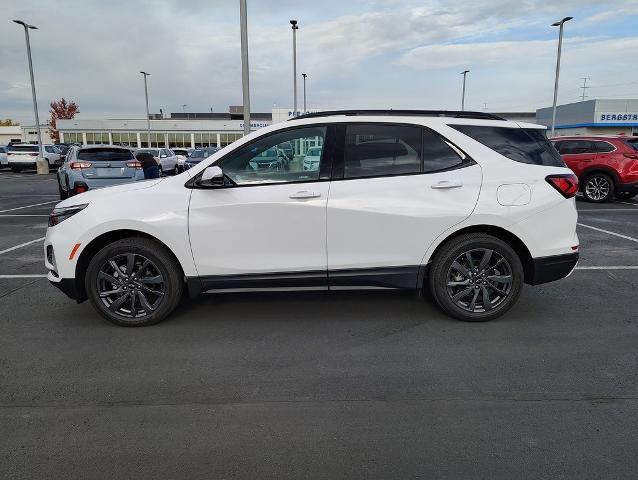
column 152, row 151
column 105, row 154
column 198, row 154
column 524, row 145
column 24, row 148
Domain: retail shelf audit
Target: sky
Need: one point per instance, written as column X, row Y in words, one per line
column 356, row 53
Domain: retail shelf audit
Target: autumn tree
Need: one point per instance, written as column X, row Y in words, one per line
column 7, row 122
column 60, row 109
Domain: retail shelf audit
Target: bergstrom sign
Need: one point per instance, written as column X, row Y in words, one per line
column 607, row 117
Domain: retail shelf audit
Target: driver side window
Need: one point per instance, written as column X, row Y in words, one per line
column 283, row 157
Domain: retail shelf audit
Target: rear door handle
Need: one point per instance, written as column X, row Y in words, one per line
column 305, row 194
column 447, row 184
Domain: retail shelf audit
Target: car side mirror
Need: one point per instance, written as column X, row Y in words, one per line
column 212, row 177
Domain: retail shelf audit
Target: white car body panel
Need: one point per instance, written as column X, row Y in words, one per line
column 17, row 159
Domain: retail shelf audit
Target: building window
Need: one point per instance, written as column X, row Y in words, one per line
column 157, row 140
column 228, row 138
column 179, row 140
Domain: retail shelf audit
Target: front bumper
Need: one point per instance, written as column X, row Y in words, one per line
column 66, row 285
column 555, row 267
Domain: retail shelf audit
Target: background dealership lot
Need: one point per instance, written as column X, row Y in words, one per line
column 334, row 384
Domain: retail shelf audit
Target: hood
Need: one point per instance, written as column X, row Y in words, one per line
column 99, row 193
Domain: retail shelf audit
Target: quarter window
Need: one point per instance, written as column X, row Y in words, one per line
column 604, row 147
column 379, row 150
column 276, row 158
column 524, row 145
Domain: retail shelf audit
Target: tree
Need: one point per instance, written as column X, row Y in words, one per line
column 60, row 109
column 7, row 122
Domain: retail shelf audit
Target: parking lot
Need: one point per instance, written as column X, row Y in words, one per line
column 368, row 383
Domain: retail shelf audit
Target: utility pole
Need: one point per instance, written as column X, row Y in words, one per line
column 464, row 73
column 148, row 116
column 293, row 23
column 244, row 64
column 560, row 45
column 304, row 92
column 584, row 87
column 28, row 27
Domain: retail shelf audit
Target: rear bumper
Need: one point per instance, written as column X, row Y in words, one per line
column 555, row 267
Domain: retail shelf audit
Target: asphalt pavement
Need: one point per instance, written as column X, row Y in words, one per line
column 365, row 384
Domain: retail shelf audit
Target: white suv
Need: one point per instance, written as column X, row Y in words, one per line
column 23, row 156
column 466, row 204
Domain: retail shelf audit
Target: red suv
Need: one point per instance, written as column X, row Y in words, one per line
column 607, row 167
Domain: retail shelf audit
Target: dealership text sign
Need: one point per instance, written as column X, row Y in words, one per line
column 618, row 117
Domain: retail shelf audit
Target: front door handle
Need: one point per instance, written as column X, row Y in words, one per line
column 447, row 184
column 305, row 194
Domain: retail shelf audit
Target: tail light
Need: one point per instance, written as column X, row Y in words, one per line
column 80, row 165
column 566, row 184
column 134, row 164
column 633, row 156
column 81, row 188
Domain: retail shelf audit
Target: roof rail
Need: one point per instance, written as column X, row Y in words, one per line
column 407, row 113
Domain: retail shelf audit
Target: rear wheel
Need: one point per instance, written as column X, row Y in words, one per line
column 160, row 171
column 598, row 188
column 134, row 282
column 476, row 277
column 63, row 195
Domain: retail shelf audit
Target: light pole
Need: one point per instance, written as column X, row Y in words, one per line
column 28, row 27
column 304, row 91
column 148, row 116
column 243, row 17
column 560, row 45
column 293, row 23
column 464, row 73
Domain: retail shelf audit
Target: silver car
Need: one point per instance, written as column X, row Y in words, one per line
column 95, row 166
column 167, row 159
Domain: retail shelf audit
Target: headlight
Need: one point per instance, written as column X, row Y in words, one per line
column 58, row 215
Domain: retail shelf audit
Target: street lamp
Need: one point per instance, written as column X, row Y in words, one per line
column 243, row 17
column 464, row 73
column 293, row 23
column 28, row 27
column 560, row 44
column 304, row 91
column 148, row 116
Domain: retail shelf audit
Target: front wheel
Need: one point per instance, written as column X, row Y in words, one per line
column 134, row 282
column 476, row 277
column 598, row 188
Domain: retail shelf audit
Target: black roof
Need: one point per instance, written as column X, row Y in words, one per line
column 405, row 113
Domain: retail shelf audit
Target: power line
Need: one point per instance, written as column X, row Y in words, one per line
column 584, row 87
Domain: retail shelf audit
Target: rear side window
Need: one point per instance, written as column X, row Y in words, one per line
column 604, row 147
column 575, row 147
column 524, row 145
column 105, row 154
column 438, row 154
column 378, row 150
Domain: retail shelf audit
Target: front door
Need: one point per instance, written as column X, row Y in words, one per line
column 267, row 227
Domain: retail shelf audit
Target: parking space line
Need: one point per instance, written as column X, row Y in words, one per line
column 626, row 237
column 35, row 275
column 606, row 211
column 29, row 206
column 11, row 249
column 22, row 215
column 614, row 267
column 627, row 203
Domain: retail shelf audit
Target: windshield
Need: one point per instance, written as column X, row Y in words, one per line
column 105, row 154
column 180, row 152
column 198, row 154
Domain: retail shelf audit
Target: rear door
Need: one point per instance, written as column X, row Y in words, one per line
column 397, row 188
column 577, row 154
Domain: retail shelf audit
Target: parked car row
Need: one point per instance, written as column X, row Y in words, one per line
column 88, row 167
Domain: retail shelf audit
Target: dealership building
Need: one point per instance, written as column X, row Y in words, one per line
column 593, row 117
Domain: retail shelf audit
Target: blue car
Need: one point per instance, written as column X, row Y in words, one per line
column 95, row 166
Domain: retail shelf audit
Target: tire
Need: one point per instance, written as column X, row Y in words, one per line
column 625, row 195
column 162, row 275
column 63, row 195
column 598, row 188
column 160, row 171
column 501, row 278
